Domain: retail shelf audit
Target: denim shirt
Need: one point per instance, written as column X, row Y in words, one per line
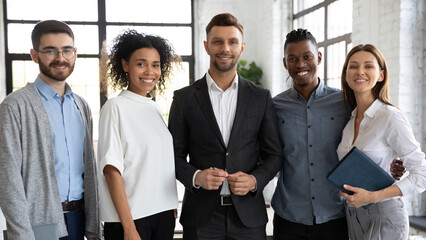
column 68, row 139
column 310, row 131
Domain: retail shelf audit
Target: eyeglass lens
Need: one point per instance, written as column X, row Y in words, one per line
column 67, row 53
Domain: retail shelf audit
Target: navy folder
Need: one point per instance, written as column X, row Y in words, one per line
column 358, row 170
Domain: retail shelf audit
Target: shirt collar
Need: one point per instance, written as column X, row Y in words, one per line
column 318, row 92
column 47, row 92
column 371, row 111
column 134, row 96
column 211, row 83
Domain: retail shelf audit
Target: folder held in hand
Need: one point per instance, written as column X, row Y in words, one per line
column 358, row 170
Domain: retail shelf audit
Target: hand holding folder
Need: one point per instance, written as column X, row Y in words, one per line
column 358, row 170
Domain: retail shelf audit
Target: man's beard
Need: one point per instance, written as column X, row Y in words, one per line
column 226, row 68
column 46, row 70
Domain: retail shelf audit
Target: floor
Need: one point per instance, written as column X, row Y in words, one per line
column 415, row 234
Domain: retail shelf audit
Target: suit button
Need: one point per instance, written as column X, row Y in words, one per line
column 227, row 154
column 313, row 198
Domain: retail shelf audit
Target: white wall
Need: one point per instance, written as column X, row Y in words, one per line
column 265, row 25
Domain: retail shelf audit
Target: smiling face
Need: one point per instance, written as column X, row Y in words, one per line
column 57, row 69
column 144, row 70
column 224, row 45
column 301, row 59
column 363, row 72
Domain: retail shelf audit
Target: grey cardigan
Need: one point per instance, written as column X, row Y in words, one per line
column 29, row 193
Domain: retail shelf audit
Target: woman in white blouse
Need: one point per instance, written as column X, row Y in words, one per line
column 138, row 196
column 382, row 132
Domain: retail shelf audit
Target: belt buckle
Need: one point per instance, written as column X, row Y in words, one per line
column 225, row 204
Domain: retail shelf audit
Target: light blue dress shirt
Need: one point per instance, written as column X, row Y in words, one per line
column 310, row 131
column 68, row 139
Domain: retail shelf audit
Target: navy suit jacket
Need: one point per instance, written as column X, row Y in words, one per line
column 254, row 147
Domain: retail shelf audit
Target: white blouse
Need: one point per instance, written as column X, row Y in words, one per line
column 385, row 134
column 134, row 138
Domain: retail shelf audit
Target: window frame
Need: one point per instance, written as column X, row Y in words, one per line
column 102, row 26
column 327, row 41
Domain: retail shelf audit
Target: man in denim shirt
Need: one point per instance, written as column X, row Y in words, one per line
column 311, row 117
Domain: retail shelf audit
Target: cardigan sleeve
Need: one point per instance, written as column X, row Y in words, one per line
column 12, row 192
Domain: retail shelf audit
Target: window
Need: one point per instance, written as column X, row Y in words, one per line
column 330, row 21
column 93, row 22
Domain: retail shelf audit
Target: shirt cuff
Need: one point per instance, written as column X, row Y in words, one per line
column 193, row 180
column 405, row 186
column 255, row 184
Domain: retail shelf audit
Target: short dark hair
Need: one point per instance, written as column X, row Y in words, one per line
column 298, row 36
column 128, row 42
column 224, row 20
column 49, row 26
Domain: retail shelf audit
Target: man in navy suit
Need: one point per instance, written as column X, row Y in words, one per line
column 228, row 128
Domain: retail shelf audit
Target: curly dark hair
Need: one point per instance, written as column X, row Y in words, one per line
column 129, row 41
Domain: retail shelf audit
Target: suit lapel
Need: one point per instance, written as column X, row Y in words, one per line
column 242, row 105
column 203, row 99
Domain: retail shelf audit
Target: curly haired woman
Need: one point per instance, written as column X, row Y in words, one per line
column 138, row 196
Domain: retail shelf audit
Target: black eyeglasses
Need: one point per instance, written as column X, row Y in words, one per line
column 53, row 53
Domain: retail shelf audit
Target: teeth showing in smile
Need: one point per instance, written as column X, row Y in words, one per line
column 148, row 80
column 224, row 57
column 302, row 73
column 360, row 80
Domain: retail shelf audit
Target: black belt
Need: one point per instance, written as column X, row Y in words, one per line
column 225, row 200
column 71, row 206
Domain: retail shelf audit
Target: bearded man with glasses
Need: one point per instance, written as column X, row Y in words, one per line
column 47, row 161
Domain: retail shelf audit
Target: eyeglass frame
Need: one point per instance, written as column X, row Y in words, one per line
column 57, row 53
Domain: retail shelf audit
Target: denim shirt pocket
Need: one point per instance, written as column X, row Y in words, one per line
column 288, row 127
column 332, row 128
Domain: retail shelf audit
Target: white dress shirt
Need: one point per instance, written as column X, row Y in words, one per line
column 224, row 105
column 385, row 134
